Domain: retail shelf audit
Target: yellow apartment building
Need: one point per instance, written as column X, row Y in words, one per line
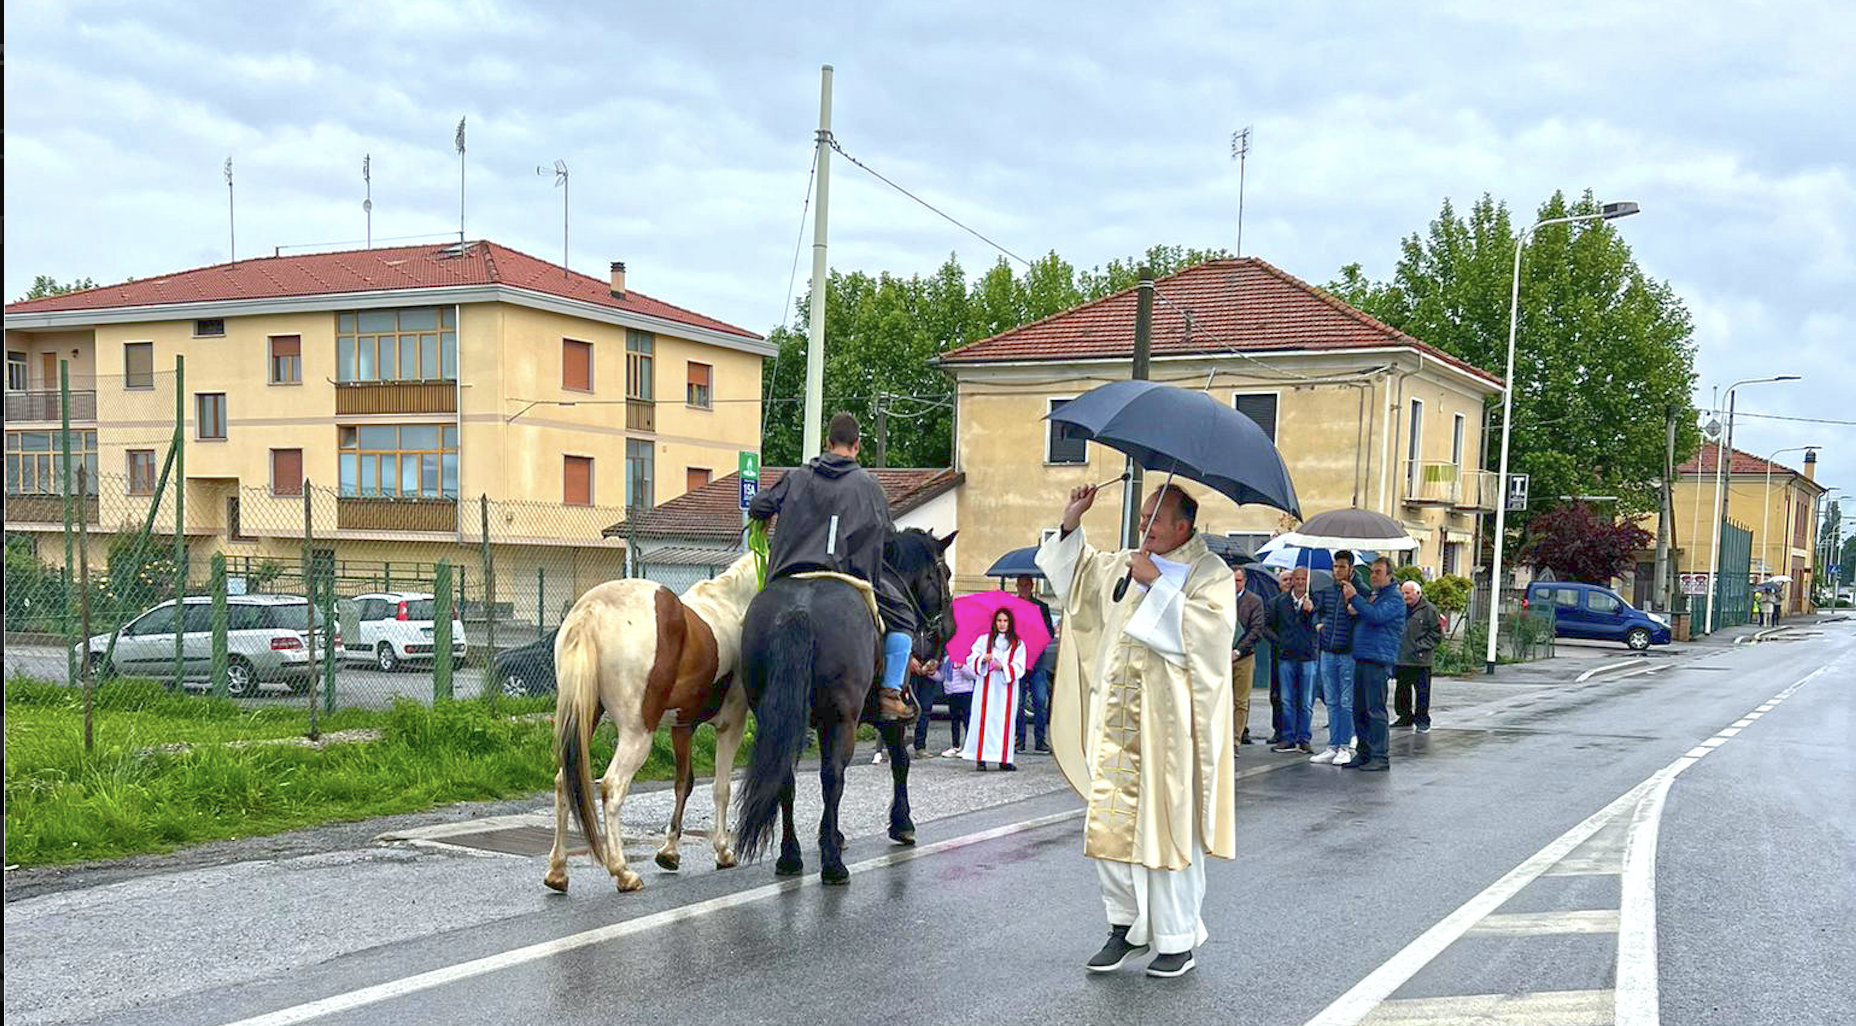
column 403, row 384
column 1777, row 503
column 1363, row 414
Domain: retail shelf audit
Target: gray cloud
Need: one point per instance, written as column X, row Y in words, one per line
column 1091, row 129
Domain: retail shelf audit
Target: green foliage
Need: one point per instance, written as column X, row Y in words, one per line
column 1449, row 593
column 45, row 285
column 1602, row 351
column 883, row 331
column 1408, row 573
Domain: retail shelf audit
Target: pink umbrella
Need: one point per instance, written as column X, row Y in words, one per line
column 973, row 618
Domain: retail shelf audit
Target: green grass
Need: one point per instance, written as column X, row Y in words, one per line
column 127, row 797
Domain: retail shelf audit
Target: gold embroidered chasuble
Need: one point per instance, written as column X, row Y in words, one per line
column 1141, row 707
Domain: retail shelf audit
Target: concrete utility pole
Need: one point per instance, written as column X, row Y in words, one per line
column 1143, row 348
column 1665, row 516
column 815, row 334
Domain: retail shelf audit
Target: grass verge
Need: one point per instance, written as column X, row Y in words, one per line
column 129, row 797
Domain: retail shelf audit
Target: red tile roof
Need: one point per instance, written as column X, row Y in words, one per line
column 1707, row 461
column 1245, row 304
column 369, row 270
column 714, row 510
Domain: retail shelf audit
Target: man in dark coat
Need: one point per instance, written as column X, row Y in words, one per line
column 1037, row 678
column 835, row 517
column 1378, row 626
column 1422, row 632
column 1292, row 629
column 1252, row 627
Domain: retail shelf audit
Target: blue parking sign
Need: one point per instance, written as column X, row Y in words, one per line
column 750, row 487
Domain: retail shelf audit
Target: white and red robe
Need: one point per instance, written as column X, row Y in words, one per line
column 992, row 722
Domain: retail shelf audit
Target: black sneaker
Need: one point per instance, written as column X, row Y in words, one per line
column 1355, row 763
column 1115, row 953
column 1045, row 749
column 1304, row 749
column 1376, row 766
column 1245, row 740
column 1008, row 767
column 979, row 766
column 1424, row 728
column 1168, row 966
column 1283, row 746
column 1402, row 721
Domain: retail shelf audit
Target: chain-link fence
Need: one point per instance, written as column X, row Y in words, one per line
column 316, row 595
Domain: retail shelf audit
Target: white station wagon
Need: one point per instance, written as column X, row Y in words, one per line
column 388, row 628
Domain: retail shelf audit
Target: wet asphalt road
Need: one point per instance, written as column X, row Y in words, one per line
column 1338, row 873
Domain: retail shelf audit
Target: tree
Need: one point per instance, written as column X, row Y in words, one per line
column 1577, row 544
column 1603, row 353
column 45, row 285
column 884, row 331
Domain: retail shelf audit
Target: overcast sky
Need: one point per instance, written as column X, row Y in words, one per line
column 1094, row 130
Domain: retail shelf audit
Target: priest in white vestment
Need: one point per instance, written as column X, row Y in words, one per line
column 1141, row 721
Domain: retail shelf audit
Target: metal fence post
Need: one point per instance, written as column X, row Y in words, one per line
column 441, row 632
column 329, row 627
column 541, row 601
column 83, row 614
column 180, row 516
column 492, row 685
column 309, row 600
column 220, row 684
column 64, row 488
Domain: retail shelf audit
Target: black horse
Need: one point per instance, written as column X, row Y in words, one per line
column 809, row 655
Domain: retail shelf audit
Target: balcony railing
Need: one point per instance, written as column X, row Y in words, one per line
column 354, row 513
column 47, row 509
column 43, row 405
column 396, row 397
column 1478, row 491
column 1440, row 483
column 640, row 415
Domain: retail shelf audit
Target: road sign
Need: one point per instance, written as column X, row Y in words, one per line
column 1694, row 584
column 1517, row 493
column 1836, row 569
column 747, row 464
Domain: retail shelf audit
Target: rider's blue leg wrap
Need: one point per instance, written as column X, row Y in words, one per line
column 896, row 648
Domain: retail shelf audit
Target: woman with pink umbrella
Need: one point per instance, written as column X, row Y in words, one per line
column 998, row 661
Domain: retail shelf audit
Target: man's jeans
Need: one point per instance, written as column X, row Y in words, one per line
column 1337, row 694
column 1298, row 698
column 1371, row 740
column 1037, row 698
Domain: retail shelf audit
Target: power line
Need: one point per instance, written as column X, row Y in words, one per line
column 1805, row 420
column 792, row 279
column 833, row 142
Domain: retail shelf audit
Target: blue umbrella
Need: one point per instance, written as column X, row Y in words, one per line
column 1188, row 433
column 1017, row 563
column 1280, row 554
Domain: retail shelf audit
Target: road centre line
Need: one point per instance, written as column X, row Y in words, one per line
column 1636, row 995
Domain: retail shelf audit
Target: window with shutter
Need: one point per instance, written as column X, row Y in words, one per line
column 138, row 365
column 698, row 392
column 286, row 471
column 1062, row 444
column 576, row 365
column 577, row 478
column 696, row 477
column 286, row 359
column 1260, row 407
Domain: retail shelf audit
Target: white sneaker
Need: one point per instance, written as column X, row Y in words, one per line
column 951, row 753
column 1324, row 757
column 877, row 759
column 1342, row 756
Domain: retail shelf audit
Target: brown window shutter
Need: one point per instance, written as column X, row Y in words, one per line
column 287, row 345
column 577, row 365
column 696, row 477
column 287, row 471
column 577, row 475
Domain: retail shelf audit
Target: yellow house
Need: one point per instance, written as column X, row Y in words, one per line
column 1364, row 415
column 1777, row 503
column 404, row 384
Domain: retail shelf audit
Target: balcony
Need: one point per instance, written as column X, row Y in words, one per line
column 1432, row 483
column 1477, row 491
column 42, row 405
column 47, row 509
column 396, row 397
column 640, row 415
column 354, row 513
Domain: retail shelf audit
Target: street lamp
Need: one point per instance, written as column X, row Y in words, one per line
column 1765, row 542
column 1820, row 558
column 1723, row 458
column 1608, row 212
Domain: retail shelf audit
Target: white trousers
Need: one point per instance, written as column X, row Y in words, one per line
column 1159, row 907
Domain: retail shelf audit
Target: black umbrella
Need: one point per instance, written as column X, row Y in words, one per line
column 1185, row 433
column 1017, row 563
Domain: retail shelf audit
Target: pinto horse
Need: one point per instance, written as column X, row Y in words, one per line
column 637, row 652
column 810, row 652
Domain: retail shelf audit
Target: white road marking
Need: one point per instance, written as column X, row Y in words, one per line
column 1727, row 733
column 1746, row 721
column 546, row 949
column 1636, row 995
column 1531, row 924
column 1559, row 1007
column 1596, row 670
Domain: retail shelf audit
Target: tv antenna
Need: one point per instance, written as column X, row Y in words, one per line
column 1240, row 150
column 559, row 171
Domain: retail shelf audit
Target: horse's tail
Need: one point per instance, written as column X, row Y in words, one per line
column 576, row 713
column 779, row 730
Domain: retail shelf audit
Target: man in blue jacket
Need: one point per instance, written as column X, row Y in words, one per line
column 1334, row 639
column 1378, row 627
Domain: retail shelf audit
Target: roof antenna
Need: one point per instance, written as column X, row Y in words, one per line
column 231, row 219
column 560, row 179
column 1240, row 149
column 367, row 205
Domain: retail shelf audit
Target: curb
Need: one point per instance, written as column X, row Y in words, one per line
column 1639, row 661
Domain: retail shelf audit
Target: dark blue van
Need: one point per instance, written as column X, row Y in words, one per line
column 1598, row 613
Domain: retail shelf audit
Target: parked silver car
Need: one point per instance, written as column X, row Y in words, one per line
column 267, row 643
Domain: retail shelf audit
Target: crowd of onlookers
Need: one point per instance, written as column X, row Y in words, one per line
column 1348, row 643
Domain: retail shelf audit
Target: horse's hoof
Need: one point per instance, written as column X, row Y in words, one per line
column 665, row 860
column 726, row 860
column 629, row 881
column 556, row 881
column 835, row 877
column 903, row 836
column 785, row 868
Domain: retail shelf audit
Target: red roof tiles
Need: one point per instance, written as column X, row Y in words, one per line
column 1707, row 461
column 369, row 270
column 1244, row 304
column 714, row 510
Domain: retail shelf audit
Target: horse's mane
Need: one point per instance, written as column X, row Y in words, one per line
column 727, row 594
column 912, row 549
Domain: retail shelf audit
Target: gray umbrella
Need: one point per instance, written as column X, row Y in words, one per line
column 1350, row 529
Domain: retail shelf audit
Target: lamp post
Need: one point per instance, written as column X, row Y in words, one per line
column 1723, row 461
column 1765, row 542
column 1608, row 212
column 1819, row 558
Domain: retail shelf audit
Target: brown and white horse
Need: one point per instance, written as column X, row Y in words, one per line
column 637, row 652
